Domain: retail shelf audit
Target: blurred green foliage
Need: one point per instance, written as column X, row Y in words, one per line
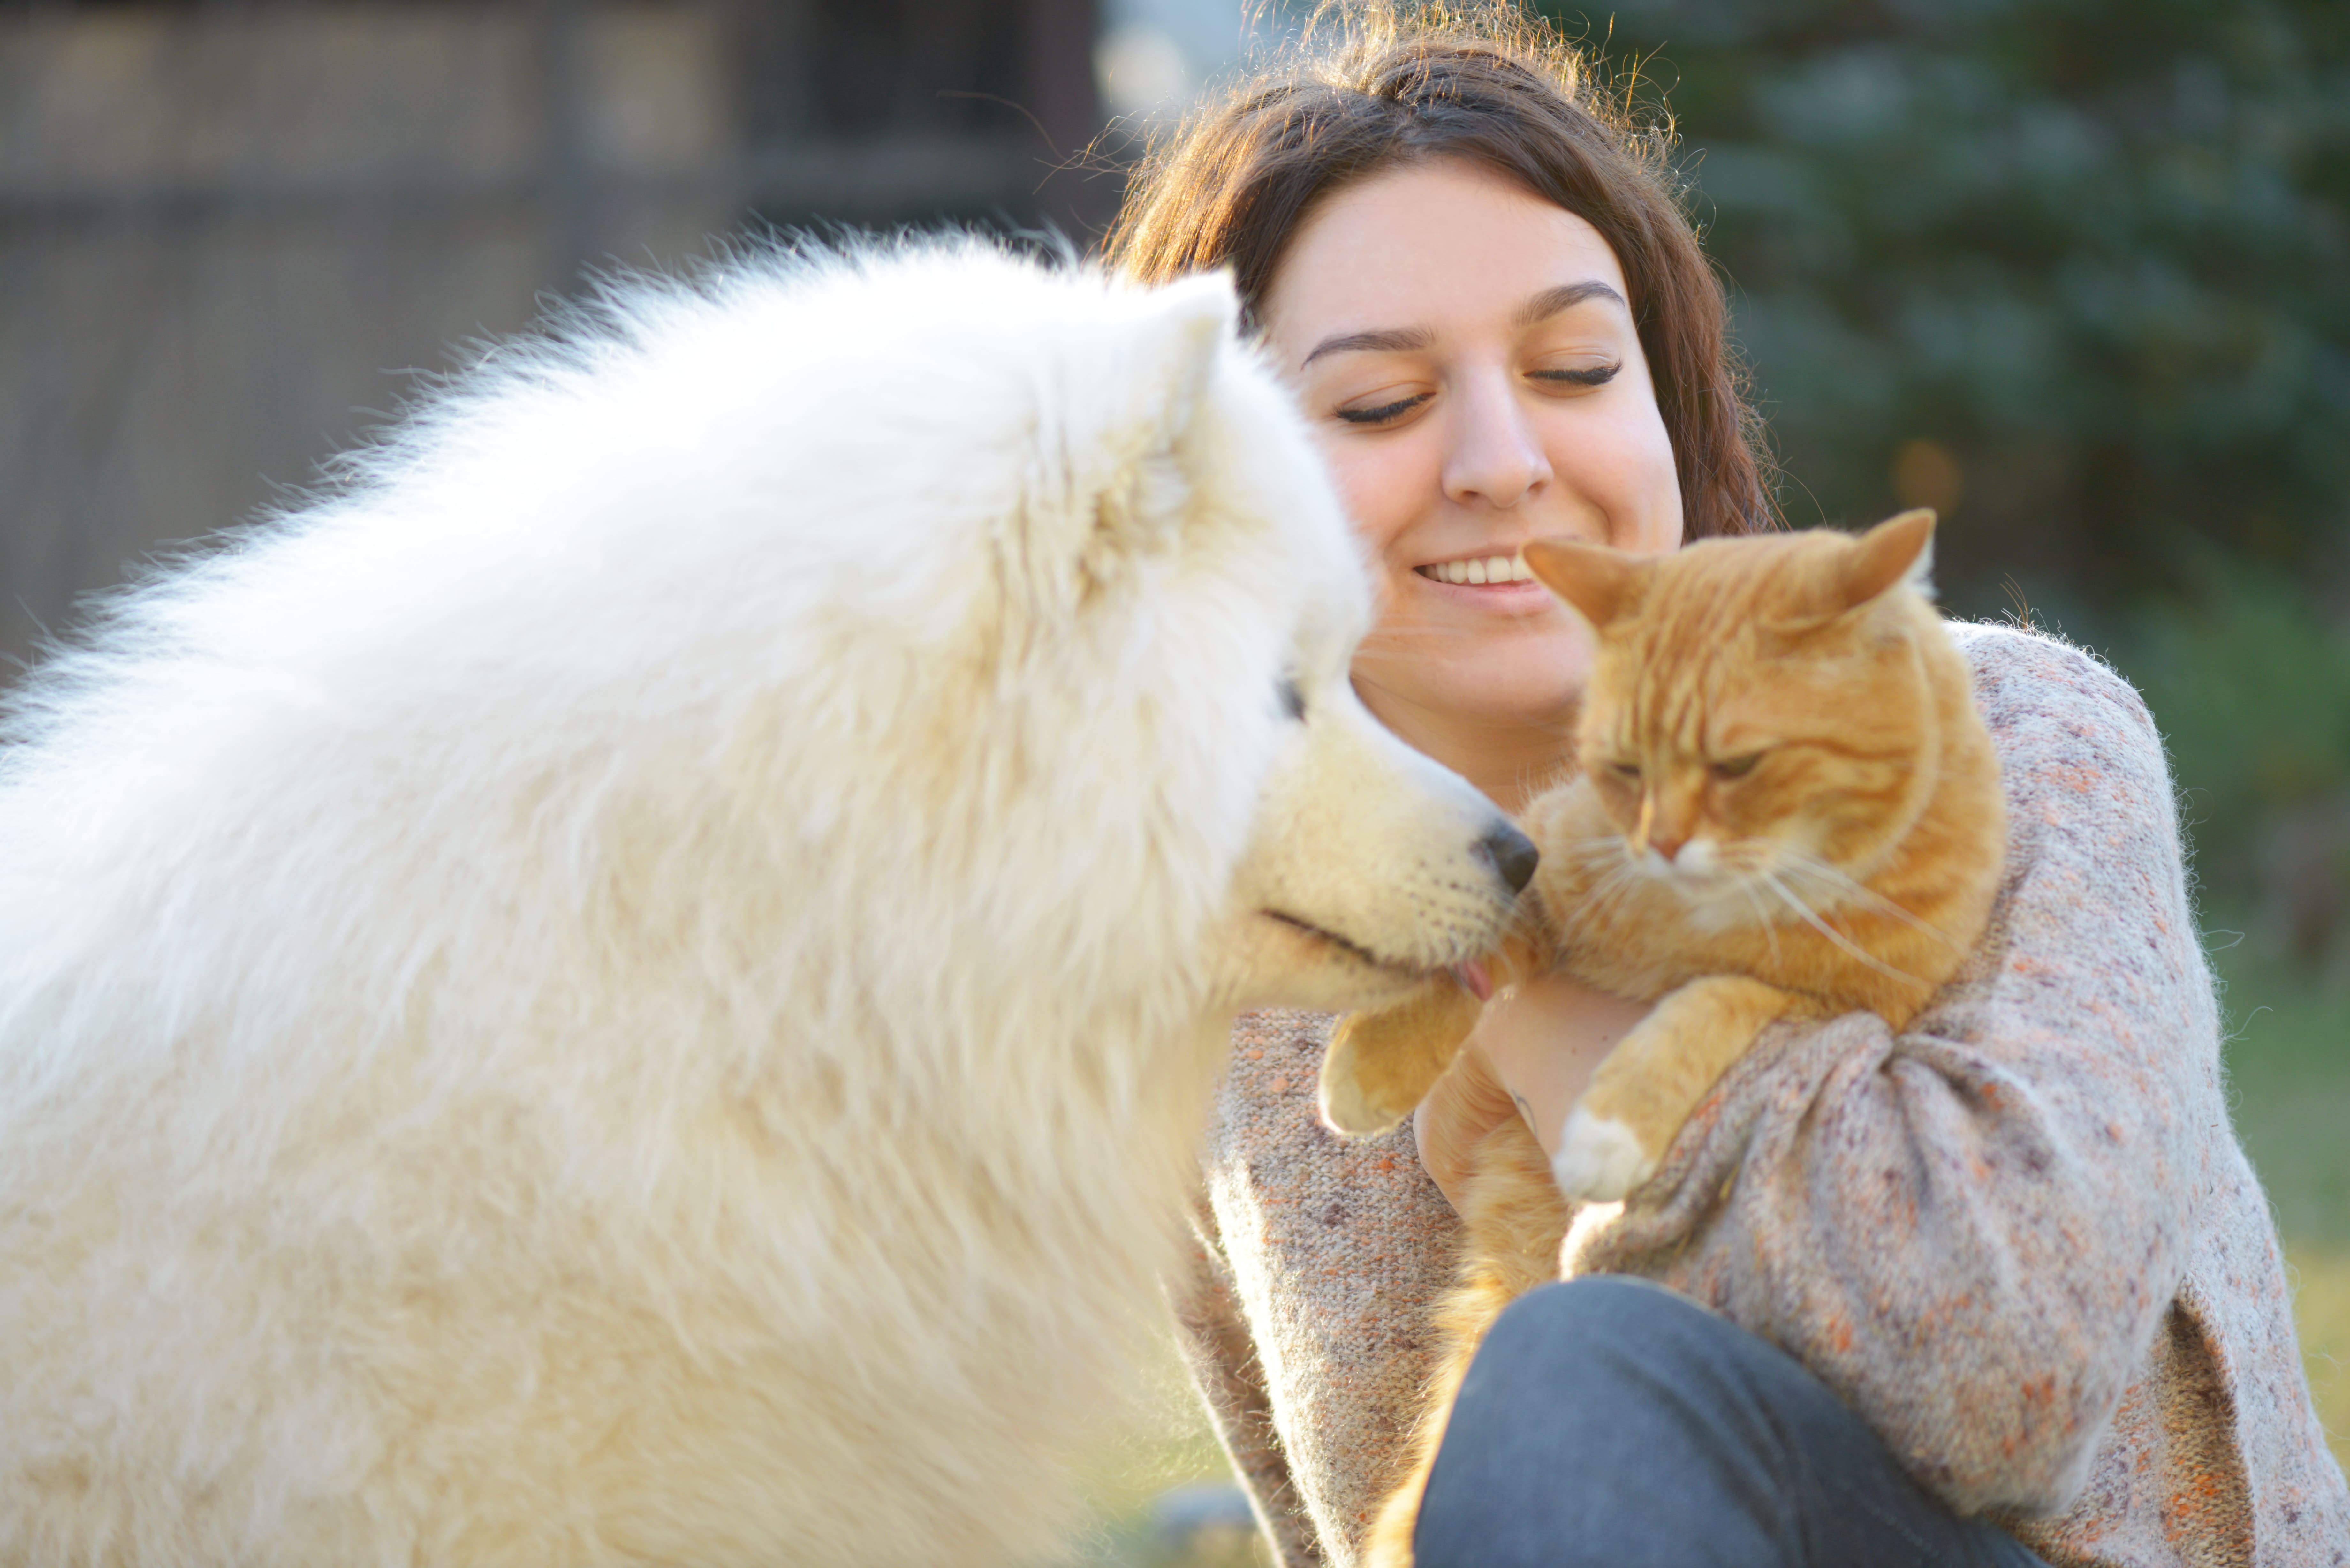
column 2075, row 271
column 2251, row 686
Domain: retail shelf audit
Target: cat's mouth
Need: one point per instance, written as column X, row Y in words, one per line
column 1694, row 859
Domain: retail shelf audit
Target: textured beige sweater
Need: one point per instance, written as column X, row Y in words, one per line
column 2021, row 1239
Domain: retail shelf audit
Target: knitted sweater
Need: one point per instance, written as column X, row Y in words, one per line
column 2020, row 1238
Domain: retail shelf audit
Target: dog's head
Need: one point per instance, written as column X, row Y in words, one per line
column 1194, row 518
column 1067, row 603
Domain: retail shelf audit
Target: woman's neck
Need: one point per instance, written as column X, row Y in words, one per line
column 1511, row 761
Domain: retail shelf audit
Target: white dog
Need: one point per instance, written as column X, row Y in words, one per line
column 640, row 986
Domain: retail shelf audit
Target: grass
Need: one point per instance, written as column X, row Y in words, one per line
column 2322, row 1303
column 2289, row 1074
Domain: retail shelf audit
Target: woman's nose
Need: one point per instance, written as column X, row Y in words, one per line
column 1494, row 456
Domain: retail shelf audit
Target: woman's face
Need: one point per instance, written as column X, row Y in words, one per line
column 1466, row 354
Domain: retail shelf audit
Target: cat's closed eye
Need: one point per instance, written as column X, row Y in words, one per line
column 1627, row 772
column 1736, row 767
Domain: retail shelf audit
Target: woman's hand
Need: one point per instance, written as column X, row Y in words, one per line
column 1530, row 1055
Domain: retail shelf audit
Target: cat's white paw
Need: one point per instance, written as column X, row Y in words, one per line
column 1599, row 1159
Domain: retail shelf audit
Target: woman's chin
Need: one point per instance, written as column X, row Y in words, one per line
column 1534, row 688
column 1482, row 665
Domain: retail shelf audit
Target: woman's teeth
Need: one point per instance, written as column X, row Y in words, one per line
column 1491, row 569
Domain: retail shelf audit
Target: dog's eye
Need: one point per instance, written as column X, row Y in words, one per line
column 1293, row 698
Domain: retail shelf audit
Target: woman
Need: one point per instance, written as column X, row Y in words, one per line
column 2028, row 1284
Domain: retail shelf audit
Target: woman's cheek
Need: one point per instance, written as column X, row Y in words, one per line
column 1624, row 466
column 1652, row 504
column 1375, row 489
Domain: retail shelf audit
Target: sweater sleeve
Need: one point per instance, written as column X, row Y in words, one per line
column 1212, row 1334
column 1306, row 1321
column 1972, row 1230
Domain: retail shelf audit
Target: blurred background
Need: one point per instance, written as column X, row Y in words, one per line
column 2076, row 273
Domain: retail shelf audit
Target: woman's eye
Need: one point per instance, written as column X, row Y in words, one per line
column 1736, row 767
column 1580, row 376
column 1385, row 412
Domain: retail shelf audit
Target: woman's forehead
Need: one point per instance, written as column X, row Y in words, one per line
column 1398, row 258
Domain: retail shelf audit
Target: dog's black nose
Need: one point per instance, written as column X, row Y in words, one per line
column 1513, row 855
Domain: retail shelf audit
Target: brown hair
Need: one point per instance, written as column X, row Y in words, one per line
column 1491, row 86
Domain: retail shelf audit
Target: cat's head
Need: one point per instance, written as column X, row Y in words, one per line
column 1759, row 708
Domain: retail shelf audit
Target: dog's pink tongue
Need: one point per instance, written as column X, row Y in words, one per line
column 1474, row 980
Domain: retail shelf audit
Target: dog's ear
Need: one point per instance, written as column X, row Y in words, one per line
column 1193, row 323
column 1114, row 461
column 1142, row 495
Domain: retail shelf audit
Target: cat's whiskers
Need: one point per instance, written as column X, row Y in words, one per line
column 1802, row 910
column 1858, row 892
column 1604, row 850
column 1616, row 884
column 1616, row 870
column 1746, row 885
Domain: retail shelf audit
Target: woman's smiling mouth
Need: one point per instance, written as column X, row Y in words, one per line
column 1479, row 571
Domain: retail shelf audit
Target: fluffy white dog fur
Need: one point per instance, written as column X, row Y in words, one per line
column 641, row 985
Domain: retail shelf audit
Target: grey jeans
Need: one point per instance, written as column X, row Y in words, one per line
column 1611, row 1421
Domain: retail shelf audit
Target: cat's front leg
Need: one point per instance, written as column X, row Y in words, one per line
column 1619, row 1129
column 1381, row 1065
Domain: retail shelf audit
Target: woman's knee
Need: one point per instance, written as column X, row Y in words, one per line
column 1606, row 1305
column 1605, row 1333
column 1614, row 1414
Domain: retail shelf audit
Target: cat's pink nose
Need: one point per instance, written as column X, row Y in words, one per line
column 1666, row 844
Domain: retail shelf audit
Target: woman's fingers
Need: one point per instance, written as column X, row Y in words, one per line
column 1544, row 1040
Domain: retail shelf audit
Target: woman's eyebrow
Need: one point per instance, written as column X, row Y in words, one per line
column 1398, row 340
column 1393, row 340
column 1551, row 301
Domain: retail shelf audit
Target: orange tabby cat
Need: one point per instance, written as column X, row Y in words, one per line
column 1787, row 807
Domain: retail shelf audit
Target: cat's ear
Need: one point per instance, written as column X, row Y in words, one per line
column 1898, row 550
column 1599, row 583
